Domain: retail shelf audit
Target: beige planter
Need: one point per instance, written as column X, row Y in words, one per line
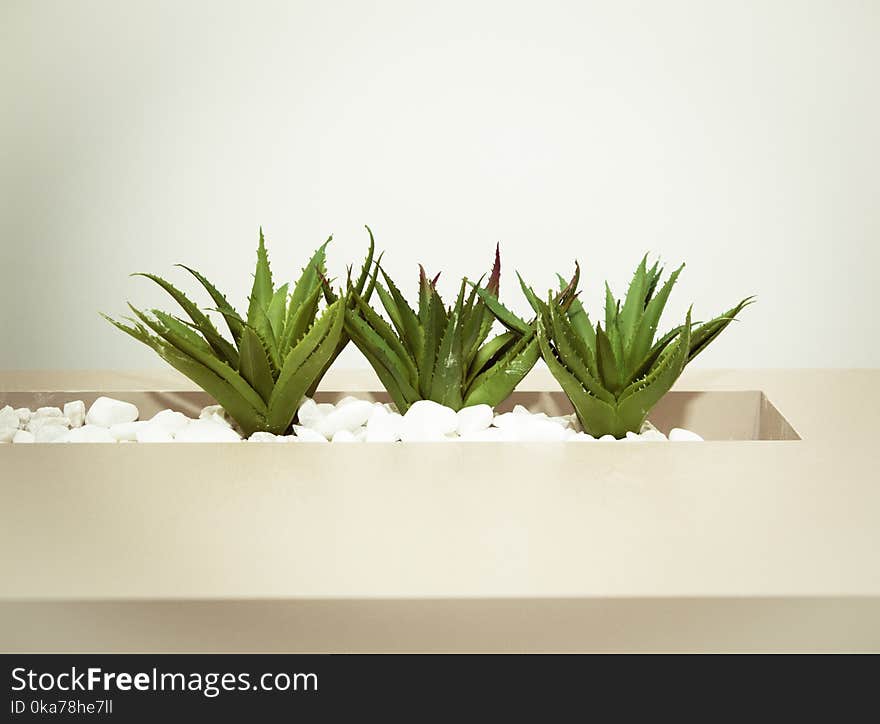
column 765, row 537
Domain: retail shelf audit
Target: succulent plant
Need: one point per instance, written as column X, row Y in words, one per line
column 437, row 352
column 614, row 374
column 278, row 352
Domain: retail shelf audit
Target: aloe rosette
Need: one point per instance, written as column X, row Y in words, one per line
column 441, row 353
column 279, row 350
column 615, row 374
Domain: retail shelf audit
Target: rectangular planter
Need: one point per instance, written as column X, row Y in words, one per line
column 765, row 537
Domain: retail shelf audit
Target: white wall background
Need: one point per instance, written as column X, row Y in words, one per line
column 741, row 137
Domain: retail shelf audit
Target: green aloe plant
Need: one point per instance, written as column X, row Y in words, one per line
column 279, row 351
column 437, row 352
column 614, row 374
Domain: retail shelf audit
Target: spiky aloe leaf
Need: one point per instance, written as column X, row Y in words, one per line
column 476, row 323
column 384, row 330
column 607, row 363
column 299, row 322
column 568, row 294
column 594, row 414
column 174, row 330
column 405, row 320
column 580, row 323
column 534, row 302
column 365, row 268
column 371, row 280
column 494, row 284
column 248, row 417
column 489, row 352
column 647, row 327
column 576, row 356
column 373, row 346
column 364, row 286
column 302, row 365
column 578, row 317
column 637, row 400
column 233, row 321
column 220, row 345
column 503, row 314
column 497, row 382
column 654, row 354
column 262, row 289
column 255, row 366
column 634, row 303
column 433, row 331
column 263, row 329
column 703, row 335
column 426, row 292
column 309, row 280
column 191, row 346
column 277, row 310
column 447, row 379
column 654, row 274
column 612, row 306
column 400, row 398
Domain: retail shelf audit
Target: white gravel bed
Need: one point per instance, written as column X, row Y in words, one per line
column 350, row 420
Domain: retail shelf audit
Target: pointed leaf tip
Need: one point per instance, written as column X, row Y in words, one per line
column 495, row 276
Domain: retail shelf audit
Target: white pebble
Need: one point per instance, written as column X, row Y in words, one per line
column 427, row 420
column 306, row 434
column 581, row 437
column 510, row 420
column 206, row 431
column 383, row 426
column 170, row 421
column 350, row 420
column 679, row 434
column 349, row 399
column 211, row 410
column 106, row 412
column 523, row 427
column 37, row 423
column 215, row 413
column 349, row 416
column 262, row 436
column 127, row 431
column 653, row 435
column 343, row 436
column 474, row 418
column 152, row 433
column 75, row 412
column 49, row 433
column 311, row 413
column 90, row 433
column 541, row 431
column 9, row 418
